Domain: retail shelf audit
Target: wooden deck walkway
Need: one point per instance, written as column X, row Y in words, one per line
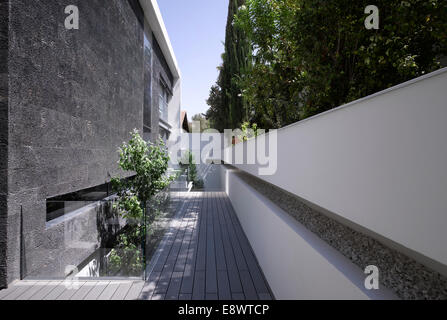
column 73, row 290
column 204, row 255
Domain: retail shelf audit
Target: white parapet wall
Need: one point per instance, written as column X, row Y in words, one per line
column 379, row 162
column 296, row 263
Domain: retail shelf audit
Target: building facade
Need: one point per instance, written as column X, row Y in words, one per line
column 68, row 100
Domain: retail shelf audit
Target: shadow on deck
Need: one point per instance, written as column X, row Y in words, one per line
column 204, row 255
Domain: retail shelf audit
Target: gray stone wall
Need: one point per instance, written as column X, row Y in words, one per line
column 4, row 18
column 74, row 97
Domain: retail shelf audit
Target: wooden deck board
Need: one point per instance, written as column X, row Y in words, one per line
column 205, row 254
column 223, row 285
column 198, row 292
column 135, row 290
column 174, row 286
column 233, row 274
column 84, row 290
column 185, row 296
column 149, row 287
column 201, row 249
column 42, row 294
column 172, row 235
column 188, row 273
column 33, row 290
column 109, row 291
column 97, row 290
column 71, row 290
column 253, row 281
column 6, row 292
column 122, row 291
column 19, row 290
column 211, row 272
column 253, row 267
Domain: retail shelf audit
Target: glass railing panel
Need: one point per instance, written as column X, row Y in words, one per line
column 161, row 209
column 91, row 239
column 86, row 239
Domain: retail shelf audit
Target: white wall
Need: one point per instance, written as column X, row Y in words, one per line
column 209, row 173
column 380, row 162
column 296, row 263
column 211, row 176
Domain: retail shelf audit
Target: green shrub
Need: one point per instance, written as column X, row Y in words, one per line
column 149, row 163
column 187, row 163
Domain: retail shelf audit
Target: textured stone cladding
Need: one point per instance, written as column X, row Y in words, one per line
column 4, row 18
column 74, row 97
column 406, row 277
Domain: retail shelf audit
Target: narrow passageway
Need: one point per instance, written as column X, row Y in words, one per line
column 205, row 255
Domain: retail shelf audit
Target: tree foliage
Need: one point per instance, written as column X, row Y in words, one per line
column 188, row 164
column 227, row 108
column 216, row 113
column 149, row 163
column 309, row 56
column 248, row 131
column 204, row 122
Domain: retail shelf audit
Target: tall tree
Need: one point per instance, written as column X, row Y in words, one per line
column 204, row 122
column 226, row 104
column 217, row 113
column 237, row 51
column 313, row 55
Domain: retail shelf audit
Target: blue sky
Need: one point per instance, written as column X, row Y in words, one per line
column 197, row 30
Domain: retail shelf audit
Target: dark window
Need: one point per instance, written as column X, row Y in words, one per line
column 136, row 7
column 147, row 83
column 66, row 203
column 164, row 64
column 163, row 100
column 164, row 135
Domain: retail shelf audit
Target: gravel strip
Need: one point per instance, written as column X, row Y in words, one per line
column 408, row 278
